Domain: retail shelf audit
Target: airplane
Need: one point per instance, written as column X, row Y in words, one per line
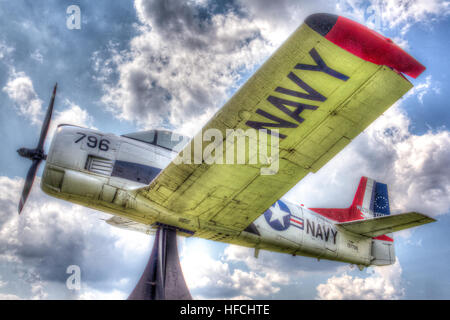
column 327, row 83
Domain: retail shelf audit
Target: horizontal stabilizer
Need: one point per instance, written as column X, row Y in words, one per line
column 385, row 224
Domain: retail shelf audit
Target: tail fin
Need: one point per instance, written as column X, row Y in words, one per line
column 371, row 203
column 371, row 200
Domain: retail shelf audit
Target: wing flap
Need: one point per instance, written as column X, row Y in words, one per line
column 386, row 224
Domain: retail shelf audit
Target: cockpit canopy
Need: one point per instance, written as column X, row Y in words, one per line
column 162, row 138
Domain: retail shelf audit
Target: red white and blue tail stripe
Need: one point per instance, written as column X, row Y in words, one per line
column 371, row 199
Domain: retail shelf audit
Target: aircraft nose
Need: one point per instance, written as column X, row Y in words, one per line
column 22, row 152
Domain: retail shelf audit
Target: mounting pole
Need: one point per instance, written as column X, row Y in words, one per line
column 162, row 278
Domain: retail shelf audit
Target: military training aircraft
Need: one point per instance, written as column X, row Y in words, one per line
column 328, row 81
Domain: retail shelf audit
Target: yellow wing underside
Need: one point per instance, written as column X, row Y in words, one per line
column 230, row 197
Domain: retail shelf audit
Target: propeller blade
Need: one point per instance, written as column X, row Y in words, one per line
column 28, row 183
column 46, row 123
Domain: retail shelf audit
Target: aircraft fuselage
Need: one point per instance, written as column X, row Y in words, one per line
column 101, row 171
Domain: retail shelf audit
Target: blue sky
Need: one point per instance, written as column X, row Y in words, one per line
column 147, row 63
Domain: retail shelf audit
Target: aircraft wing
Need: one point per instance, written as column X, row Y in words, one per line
column 318, row 95
column 386, row 224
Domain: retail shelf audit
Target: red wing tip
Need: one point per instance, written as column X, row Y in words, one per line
column 365, row 43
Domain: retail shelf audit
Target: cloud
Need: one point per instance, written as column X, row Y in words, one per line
column 5, row 51
column 276, row 20
column 405, row 13
column 92, row 294
column 74, row 115
column 421, row 89
column 180, row 66
column 37, row 55
column 210, row 278
column 384, row 283
column 237, row 273
column 189, row 56
column 394, row 18
column 37, row 247
column 280, row 265
column 388, row 14
column 6, row 296
column 21, row 91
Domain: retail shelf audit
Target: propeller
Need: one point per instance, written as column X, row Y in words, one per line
column 36, row 154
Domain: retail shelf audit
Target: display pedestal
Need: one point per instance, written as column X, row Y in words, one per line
column 162, row 278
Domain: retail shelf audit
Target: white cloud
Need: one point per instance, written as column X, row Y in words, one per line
column 7, row 296
column 37, row 55
column 211, row 278
column 394, row 17
column 280, row 267
column 406, row 13
column 237, row 273
column 50, row 235
column 2, row 283
column 179, row 68
column 38, row 291
column 383, row 283
column 5, row 51
column 93, row 294
column 21, row 91
column 387, row 14
column 423, row 88
column 276, row 20
column 73, row 114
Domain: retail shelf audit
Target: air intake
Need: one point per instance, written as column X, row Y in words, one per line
column 99, row 165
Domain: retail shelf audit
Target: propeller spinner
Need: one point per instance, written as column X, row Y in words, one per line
column 37, row 154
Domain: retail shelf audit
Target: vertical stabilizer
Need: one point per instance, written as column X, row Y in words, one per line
column 371, row 200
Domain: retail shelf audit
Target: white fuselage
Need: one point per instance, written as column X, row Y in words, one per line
column 102, row 171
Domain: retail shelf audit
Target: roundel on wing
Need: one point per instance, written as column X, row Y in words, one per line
column 278, row 216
